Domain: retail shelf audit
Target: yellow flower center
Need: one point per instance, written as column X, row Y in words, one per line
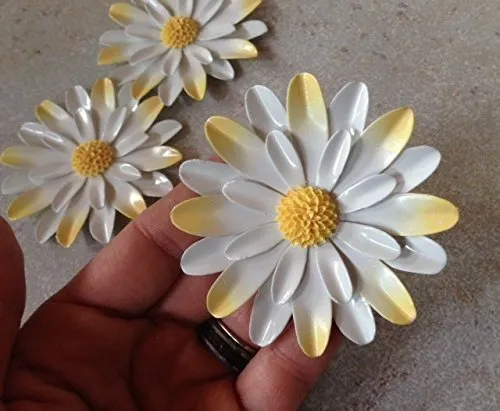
column 307, row 216
column 92, row 158
column 180, row 32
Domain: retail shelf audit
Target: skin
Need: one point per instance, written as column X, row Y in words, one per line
column 122, row 335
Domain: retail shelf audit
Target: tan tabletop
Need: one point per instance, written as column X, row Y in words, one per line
column 441, row 57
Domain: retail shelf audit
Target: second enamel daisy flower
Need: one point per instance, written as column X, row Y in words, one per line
column 176, row 43
column 310, row 214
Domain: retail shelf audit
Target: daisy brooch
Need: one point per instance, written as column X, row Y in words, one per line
column 88, row 161
column 174, row 44
column 310, row 214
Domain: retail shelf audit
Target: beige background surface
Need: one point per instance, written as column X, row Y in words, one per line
column 441, row 57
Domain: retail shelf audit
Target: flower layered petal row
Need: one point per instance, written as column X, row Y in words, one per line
column 174, row 45
column 310, row 214
column 96, row 156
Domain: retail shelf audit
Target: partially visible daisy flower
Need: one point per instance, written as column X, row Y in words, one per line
column 93, row 158
column 176, row 43
column 310, row 213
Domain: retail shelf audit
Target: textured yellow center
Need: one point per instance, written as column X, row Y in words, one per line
column 307, row 216
column 180, row 32
column 92, row 158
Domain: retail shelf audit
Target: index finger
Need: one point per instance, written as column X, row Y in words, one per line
column 139, row 266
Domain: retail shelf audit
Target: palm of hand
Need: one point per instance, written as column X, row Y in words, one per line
column 122, row 335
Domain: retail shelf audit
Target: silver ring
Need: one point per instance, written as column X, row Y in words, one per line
column 226, row 346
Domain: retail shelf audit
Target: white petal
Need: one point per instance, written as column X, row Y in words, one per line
column 16, row 183
column 116, row 38
column 250, row 29
column 47, row 224
column 154, row 158
column 420, row 255
column 154, row 184
column 114, row 124
column 312, row 313
column 76, row 98
column 288, row 274
column 57, row 120
column 129, row 142
column 125, row 99
column 220, row 69
column 409, row 215
column 214, row 215
column 253, row 242
column 50, row 171
column 236, row 10
column 145, row 32
column 378, row 146
column 206, row 177
column 204, row 10
column 349, row 108
column 126, row 14
column 194, row 77
column 126, row 199
column 147, row 53
column 182, row 7
column 231, row 49
column 143, row 117
column 243, row 150
column 240, row 281
column 73, row 220
column 57, row 142
column 215, row 31
column 159, row 12
column 123, row 172
column 355, row 320
column 308, row 121
column 97, row 192
column 28, row 157
column 268, row 320
column 206, row 256
column 101, row 224
column 31, row 134
column 162, row 132
column 381, row 287
column 369, row 241
column 365, row 193
column 149, row 78
column 333, row 160
column 285, row 159
column 170, row 89
column 413, row 167
column 200, row 53
column 333, row 272
column 85, row 124
column 126, row 73
column 252, row 195
column 67, row 192
column 171, row 61
column 264, row 111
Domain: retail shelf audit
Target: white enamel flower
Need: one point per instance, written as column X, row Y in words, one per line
column 176, row 43
column 310, row 213
column 93, row 158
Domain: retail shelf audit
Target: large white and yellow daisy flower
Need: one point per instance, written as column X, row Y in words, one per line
column 310, row 212
column 176, row 43
column 95, row 157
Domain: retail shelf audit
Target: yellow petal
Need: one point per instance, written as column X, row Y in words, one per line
column 387, row 295
column 48, row 113
column 145, row 83
column 103, row 94
column 128, row 200
column 124, row 13
column 70, row 227
column 196, row 87
column 30, row 203
column 112, row 55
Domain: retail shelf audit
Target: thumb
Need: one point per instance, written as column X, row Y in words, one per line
column 12, row 294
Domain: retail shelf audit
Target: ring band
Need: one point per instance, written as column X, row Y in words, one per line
column 226, row 346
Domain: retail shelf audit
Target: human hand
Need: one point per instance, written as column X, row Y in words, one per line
column 122, row 335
